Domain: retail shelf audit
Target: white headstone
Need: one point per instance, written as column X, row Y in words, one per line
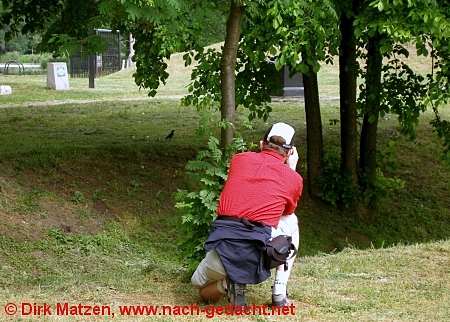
column 57, row 76
column 5, row 89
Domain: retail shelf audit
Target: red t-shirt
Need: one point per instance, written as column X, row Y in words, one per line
column 260, row 187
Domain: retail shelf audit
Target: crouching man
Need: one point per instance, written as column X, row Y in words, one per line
column 256, row 204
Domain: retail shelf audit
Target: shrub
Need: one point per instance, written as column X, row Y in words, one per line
column 199, row 207
column 338, row 189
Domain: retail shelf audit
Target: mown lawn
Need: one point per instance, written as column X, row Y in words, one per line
column 87, row 211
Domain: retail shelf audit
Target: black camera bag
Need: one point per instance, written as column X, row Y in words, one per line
column 277, row 252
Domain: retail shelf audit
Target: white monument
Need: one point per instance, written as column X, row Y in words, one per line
column 5, row 89
column 57, row 76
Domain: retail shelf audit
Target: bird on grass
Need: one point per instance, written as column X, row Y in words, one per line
column 168, row 137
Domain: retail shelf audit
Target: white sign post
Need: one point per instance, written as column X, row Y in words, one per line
column 57, row 76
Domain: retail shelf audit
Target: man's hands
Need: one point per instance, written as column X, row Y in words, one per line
column 293, row 159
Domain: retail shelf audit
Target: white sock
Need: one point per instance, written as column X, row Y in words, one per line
column 281, row 278
column 222, row 286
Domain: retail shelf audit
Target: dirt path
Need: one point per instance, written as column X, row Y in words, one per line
column 71, row 101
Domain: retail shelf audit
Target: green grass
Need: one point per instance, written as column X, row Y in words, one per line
column 118, row 86
column 87, row 211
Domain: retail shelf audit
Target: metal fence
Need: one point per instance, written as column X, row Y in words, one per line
column 105, row 63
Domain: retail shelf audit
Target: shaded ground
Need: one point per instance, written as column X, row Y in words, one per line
column 81, row 193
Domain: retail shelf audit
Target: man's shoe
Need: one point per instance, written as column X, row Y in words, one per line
column 280, row 300
column 236, row 293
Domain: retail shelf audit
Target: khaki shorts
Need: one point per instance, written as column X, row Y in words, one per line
column 209, row 270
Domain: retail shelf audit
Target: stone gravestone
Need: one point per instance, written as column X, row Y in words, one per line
column 57, row 76
column 292, row 85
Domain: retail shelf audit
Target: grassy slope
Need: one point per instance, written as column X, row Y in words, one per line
column 86, row 208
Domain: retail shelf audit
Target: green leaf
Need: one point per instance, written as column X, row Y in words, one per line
column 387, row 48
column 275, row 24
column 316, row 68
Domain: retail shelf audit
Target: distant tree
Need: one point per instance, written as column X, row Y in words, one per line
column 2, row 42
column 35, row 40
column 20, row 44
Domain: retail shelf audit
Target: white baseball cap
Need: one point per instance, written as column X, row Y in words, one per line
column 283, row 130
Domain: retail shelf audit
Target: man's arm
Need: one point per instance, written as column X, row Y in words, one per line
column 293, row 159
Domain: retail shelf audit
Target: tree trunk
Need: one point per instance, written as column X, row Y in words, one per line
column 227, row 70
column 368, row 144
column 347, row 83
column 313, row 130
column 92, row 65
